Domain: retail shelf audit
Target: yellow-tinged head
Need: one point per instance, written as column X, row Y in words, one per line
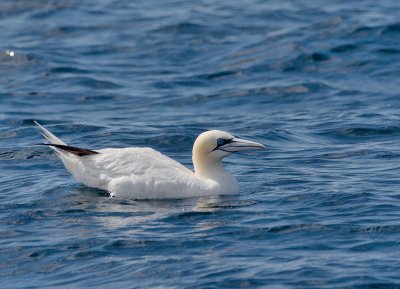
column 212, row 146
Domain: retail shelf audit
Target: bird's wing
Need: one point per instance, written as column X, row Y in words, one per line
column 141, row 173
column 137, row 161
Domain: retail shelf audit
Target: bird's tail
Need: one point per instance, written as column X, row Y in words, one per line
column 61, row 147
column 49, row 136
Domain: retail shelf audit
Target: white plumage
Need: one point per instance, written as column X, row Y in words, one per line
column 143, row 173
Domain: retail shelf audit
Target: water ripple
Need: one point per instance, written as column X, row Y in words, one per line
column 317, row 84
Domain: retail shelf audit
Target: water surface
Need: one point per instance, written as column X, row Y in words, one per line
column 316, row 81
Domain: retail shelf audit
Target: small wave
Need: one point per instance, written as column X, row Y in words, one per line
column 365, row 132
column 15, row 58
column 7, row 155
column 293, row 89
column 98, row 97
column 285, row 229
column 302, row 60
column 43, row 253
column 8, row 134
column 377, row 30
column 21, row 154
column 94, row 83
column 364, row 30
column 123, row 244
column 8, row 8
column 190, row 215
column 362, row 132
column 389, row 51
column 218, row 75
column 183, row 27
column 19, row 122
column 28, row 217
column 344, row 48
column 11, row 234
column 376, row 285
column 369, row 246
column 387, row 155
column 74, row 211
column 71, row 70
column 392, row 28
column 392, row 229
column 262, row 94
column 86, row 255
column 344, row 155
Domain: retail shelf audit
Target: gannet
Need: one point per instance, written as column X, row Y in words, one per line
column 144, row 173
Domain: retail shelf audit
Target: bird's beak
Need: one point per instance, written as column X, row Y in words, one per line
column 237, row 144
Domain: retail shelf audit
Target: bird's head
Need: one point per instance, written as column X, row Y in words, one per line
column 216, row 144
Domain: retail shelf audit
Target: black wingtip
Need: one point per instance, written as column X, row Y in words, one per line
column 73, row 150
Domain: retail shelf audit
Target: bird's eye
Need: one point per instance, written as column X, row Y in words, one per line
column 220, row 141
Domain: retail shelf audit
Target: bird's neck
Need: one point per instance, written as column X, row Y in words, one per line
column 206, row 168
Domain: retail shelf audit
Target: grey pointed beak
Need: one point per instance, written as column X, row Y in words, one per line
column 237, row 144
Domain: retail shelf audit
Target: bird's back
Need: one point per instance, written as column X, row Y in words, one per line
column 138, row 173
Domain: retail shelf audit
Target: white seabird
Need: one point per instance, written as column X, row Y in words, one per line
column 144, row 173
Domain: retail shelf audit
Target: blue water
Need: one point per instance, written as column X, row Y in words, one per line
column 316, row 81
